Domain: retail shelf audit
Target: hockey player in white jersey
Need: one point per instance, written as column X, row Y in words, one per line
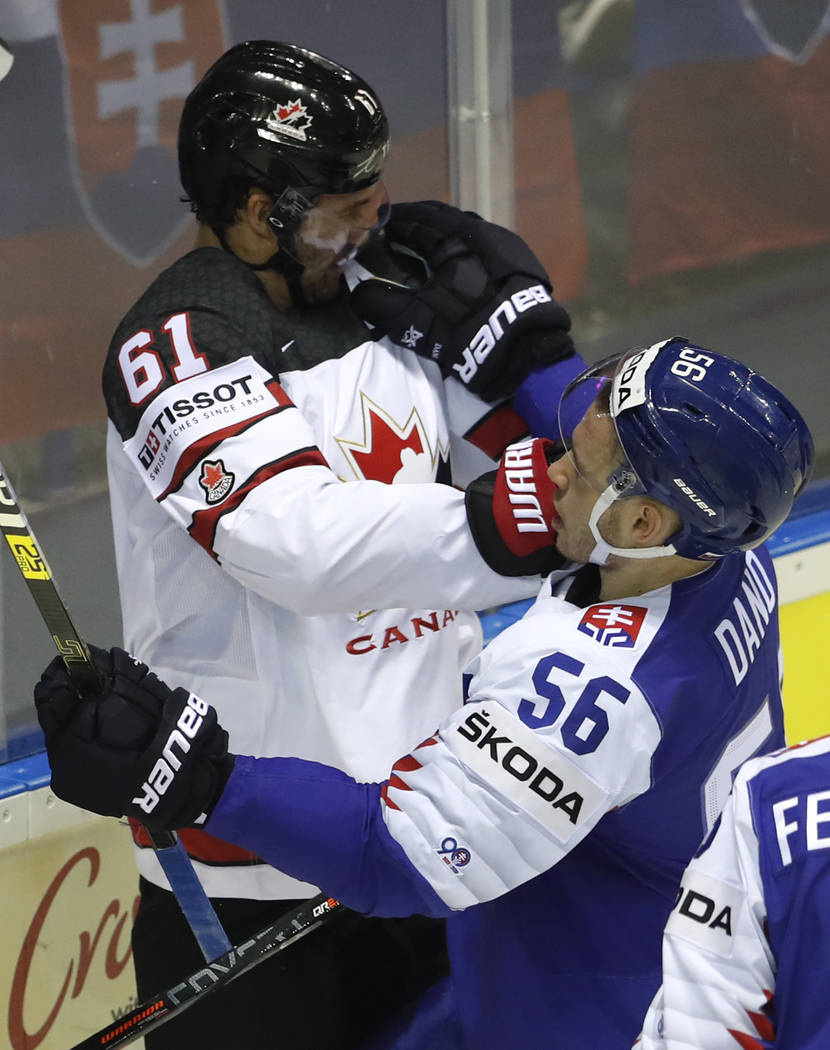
column 551, row 817
column 745, row 957
column 288, row 532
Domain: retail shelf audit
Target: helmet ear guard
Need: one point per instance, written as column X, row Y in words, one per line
column 289, row 209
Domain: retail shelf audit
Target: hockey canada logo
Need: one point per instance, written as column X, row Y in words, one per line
column 291, row 119
column 617, row 625
column 216, row 480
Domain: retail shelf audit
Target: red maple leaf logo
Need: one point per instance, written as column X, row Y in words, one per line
column 216, row 480
column 212, row 474
column 384, row 455
column 291, row 110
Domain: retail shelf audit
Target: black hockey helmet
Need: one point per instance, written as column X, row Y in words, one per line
column 285, row 118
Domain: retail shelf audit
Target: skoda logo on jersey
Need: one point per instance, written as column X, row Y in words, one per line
column 216, row 481
column 704, row 913
column 613, row 625
column 126, row 77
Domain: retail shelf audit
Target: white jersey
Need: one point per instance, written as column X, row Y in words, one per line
column 745, row 959
column 265, row 558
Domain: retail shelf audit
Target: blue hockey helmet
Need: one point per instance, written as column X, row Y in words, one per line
column 703, row 434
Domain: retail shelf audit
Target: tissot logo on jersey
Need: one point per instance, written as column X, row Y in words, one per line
column 187, row 412
column 540, row 780
column 493, row 329
column 617, row 625
column 217, row 400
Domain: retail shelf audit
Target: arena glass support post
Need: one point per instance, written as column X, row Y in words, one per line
column 480, row 100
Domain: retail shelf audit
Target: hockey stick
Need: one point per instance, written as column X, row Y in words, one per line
column 161, row 1008
column 194, row 902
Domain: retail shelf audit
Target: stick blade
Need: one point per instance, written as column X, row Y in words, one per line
column 6, row 58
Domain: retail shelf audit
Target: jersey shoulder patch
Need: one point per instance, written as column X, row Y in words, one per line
column 613, row 624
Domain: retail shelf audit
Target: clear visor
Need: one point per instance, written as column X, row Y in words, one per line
column 589, row 394
column 586, row 399
column 341, row 237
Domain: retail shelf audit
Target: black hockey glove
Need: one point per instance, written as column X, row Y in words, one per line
column 140, row 749
column 485, row 313
column 509, row 511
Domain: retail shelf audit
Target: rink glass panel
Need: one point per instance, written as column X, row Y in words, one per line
column 669, row 166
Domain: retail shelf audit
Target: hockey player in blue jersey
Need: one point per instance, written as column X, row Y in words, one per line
column 745, row 958
column 552, row 816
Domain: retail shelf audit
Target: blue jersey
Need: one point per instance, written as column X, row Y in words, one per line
column 553, row 815
column 745, row 952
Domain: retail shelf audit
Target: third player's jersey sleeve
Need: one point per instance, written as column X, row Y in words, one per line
column 745, row 959
column 220, row 445
column 718, row 968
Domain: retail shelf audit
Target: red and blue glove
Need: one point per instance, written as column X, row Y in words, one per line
column 509, row 511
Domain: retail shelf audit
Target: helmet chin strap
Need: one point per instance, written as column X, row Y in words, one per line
column 603, row 550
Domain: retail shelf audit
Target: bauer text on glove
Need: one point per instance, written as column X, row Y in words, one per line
column 485, row 313
column 140, row 749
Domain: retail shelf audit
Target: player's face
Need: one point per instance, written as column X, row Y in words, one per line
column 580, row 475
column 332, row 232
